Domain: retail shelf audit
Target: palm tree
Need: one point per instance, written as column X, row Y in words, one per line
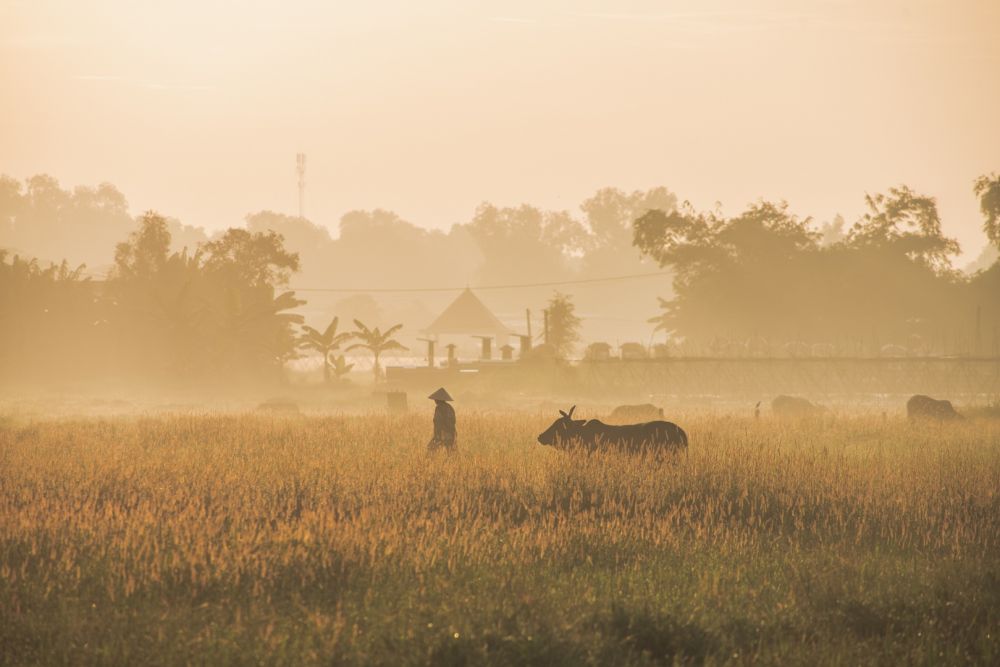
column 376, row 342
column 326, row 343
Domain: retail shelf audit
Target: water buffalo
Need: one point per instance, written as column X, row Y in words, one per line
column 630, row 414
column 655, row 436
column 920, row 406
column 794, row 406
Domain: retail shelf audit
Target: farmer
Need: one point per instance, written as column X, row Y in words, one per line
column 444, row 422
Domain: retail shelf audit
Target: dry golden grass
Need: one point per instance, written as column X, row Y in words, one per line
column 248, row 539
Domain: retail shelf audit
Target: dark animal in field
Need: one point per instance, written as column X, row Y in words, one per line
column 925, row 407
column 795, row 406
column 653, row 437
column 630, row 414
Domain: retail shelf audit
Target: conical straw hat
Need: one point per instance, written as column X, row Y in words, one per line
column 441, row 395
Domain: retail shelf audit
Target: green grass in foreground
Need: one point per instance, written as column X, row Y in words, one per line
column 246, row 539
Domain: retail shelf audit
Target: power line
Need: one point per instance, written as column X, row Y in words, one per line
column 554, row 283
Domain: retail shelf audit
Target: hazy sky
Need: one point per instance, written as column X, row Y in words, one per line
column 197, row 107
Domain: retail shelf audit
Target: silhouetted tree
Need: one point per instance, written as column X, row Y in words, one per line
column 185, row 237
column 523, row 241
column 198, row 314
column 610, row 214
column 833, row 232
column 145, row 253
column 730, row 274
column 907, row 223
column 764, row 276
column 258, row 329
column 376, row 342
column 257, row 258
column 325, row 343
column 987, row 188
column 379, row 249
column 310, row 242
column 564, row 325
column 41, row 219
column 50, row 322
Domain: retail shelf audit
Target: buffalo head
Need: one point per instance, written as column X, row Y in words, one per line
column 563, row 430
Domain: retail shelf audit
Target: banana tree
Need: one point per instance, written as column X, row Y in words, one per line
column 326, row 343
column 376, row 342
column 341, row 367
column 255, row 325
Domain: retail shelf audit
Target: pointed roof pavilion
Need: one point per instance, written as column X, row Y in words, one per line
column 467, row 315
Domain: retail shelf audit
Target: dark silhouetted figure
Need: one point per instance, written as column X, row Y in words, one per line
column 444, row 422
column 756, row 411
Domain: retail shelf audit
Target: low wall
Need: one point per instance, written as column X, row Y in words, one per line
column 968, row 379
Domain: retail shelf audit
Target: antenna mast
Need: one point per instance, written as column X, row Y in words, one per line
column 300, row 168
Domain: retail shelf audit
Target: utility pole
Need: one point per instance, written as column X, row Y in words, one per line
column 300, row 168
column 430, row 351
column 979, row 328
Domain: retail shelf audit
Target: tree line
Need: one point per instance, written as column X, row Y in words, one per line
column 179, row 304
column 767, row 281
column 219, row 313
column 376, row 249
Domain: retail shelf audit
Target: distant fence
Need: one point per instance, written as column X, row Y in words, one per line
column 968, row 378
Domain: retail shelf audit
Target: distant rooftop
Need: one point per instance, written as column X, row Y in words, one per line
column 467, row 315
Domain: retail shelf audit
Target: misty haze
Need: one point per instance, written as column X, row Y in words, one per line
column 528, row 333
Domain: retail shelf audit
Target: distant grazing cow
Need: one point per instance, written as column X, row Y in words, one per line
column 925, row 407
column 279, row 405
column 795, row 406
column 654, row 437
column 630, row 414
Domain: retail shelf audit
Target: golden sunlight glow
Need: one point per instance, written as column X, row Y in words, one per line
column 196, row 108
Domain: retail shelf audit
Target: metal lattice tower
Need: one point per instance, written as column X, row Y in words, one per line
column 300, row 168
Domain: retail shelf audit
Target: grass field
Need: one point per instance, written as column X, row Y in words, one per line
column 309, row 540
